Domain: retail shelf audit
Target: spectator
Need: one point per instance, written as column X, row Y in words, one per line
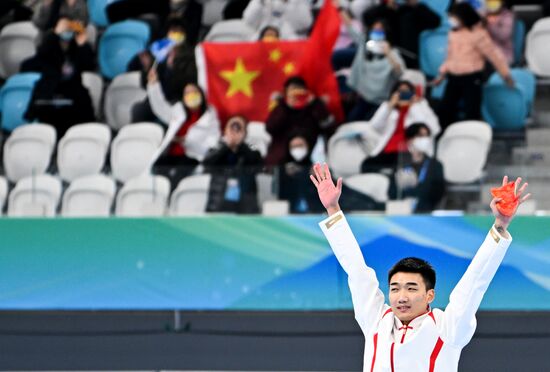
column 291, row 17
column 294, row 183
column 193, row 124
column 345, row 47
column 233, row 165
column 500, row 24
column 391, row 121
column 269, row 34
column 297, row 110
column 154, row 12
column 189, row 11
column 14, row 11
column 375, row 69
column 421, row 176
column 51, row 11
column 59, row 98
column 469, row 46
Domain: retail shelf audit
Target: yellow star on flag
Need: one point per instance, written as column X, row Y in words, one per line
column 240, row 79
column 289, row 68
column 275, row 55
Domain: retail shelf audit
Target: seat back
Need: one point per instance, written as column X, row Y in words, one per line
column 416, row 77
column 504, row 108
column 233, row 30
column 524, row 80
column 537, row 52
column 97, row 11
column 257, row 137
column 121, row 95
column 463, row 150
column 143, row 196
column 3, row 193
column 372, row 184
column 35, row 196
column 433, row 50
column 119, row 44
column 519, row 40
column 191, row 196
column 28, row 151
column 15, row 97
column 439, row 6
column 17, row 43
column 82, row 151
column 89, row 196
column 94, row 83
column 133, row 148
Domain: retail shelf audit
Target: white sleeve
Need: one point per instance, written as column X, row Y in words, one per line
column 380, row 118
column 298, row 15
column 161, row 108
column 203, row 136
column 253, row 13
column 368, row 300
column 459, row 322
column 429, row 117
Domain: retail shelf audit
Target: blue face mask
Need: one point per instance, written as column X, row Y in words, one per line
column 377, row 35
column 406, row 95
column 66, row 35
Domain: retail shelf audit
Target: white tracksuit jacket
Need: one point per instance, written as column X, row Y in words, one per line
column 431, row 342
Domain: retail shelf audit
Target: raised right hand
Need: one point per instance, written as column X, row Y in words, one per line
column 329, row 194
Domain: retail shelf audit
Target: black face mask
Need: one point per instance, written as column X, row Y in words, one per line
column 370, row 56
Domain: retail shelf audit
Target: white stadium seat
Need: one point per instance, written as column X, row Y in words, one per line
column 133, row 149
column 28, row 150
column 94, row 83
column 257, row 137
column 89, row 196
column 463, row 150
column 233, row 30
column 17, row 43
column 36, row 196
column 121, row 95
column 82, row 151
column 537, row 52
column 144, row 196
column 372, row 184
column 191, row 196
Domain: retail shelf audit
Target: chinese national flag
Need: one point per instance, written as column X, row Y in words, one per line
column 242, row 78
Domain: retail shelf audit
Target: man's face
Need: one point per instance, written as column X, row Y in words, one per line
column 408, row 296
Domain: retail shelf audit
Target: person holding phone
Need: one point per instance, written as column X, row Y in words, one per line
column 390, row 121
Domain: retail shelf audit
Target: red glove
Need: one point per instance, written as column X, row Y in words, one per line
column 509, row 201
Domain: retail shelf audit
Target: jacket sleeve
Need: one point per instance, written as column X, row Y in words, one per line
column 380, row 118
column 160, row 106
column 427, row 18
column 277, row 121
column 203, row 136
column 459, row 322
column 368, row 300
column 253, row 13
column 428, row 116
column 491, row 52
column 298, row 14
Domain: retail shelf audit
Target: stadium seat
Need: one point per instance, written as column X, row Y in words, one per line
column 94, row 83
column 17, row 43
column 518, row 40
column 433, row 50
column 264, row 181
column 89, row 196
column 143, row 196
column 372, row 184
column 463, row 150
column 441, row 7
column 36, row 196
column 233, row 30
column 119, row 44
column 349, row 146
column 82, row 151
column 257, row 137
column 3, row 193
column 416, row 77
column 191, row 196
column 537, row 52
column 133, row 148
column 524, row 80
column 212, row 11
column 28, row 151
column 121, row 95
column 15, row 97
column 97, row 12
column 504, row 108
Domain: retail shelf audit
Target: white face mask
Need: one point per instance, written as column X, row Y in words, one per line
column 422, row 144
column 298, row 153
column 453, row 23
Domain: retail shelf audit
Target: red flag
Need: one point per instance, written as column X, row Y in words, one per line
column 242, row 78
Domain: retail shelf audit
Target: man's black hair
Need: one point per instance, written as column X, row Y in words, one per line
column 466, row 13
column 412, row 130
column 415, row 265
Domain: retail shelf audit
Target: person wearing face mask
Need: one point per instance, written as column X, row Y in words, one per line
column 51, row 11
column 375, row 69
column 59, row 98
column 391, row 121
column 469, row 47
column 193, row 128
column 500, row 24
column 293, row 18
column 297, row 110
column 293, row 177
column 269, row 34
column 421, row 176
column 233, row 165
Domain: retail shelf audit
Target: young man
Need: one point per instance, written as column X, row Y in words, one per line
column 408, row 335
